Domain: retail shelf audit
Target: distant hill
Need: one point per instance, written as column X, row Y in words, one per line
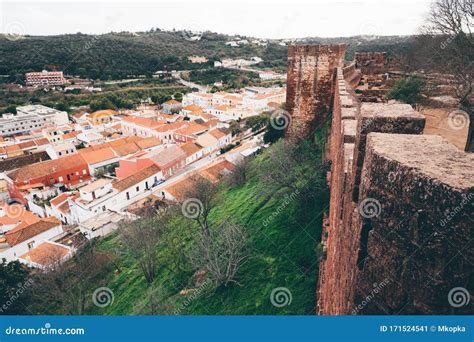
column 122, row 55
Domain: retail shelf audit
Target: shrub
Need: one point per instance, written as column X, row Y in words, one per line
column 406, row 90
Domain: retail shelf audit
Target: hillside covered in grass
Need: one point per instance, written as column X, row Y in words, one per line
column 282, row 229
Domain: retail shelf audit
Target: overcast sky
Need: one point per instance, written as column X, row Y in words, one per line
column 257, row 18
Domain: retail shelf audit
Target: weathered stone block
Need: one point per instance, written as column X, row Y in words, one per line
column 420, row 243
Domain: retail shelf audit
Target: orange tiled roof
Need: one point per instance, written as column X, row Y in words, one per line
column 217, row 133
column 193, row 108
column 70, row 135
column 45, row 168
column 179, row 189
column 97, row 156
column 217, row 170
column 136, row 178
column 190, row 148
column 211, row 123
column 59, row 199
column 41, row 141
column 46, row 253
column 148, row 142
column 166, row 156
column 16, row 213
column 126, row 149
column 13, row 148
column 145, row 122
column 18, row 235
column 102, row 113
column 170, row 127
column 27, row 144
column 172, row 102
column 191, row 128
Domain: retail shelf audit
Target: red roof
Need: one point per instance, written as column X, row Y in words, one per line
column 20, row 234
column 45, row 168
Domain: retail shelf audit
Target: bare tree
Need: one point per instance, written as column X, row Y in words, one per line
column 219, row 250
column 141, row 238
column 199, row 201
column 222, row 256
column 294, row 167
column 67, row 287
column 449, row 30
column 240, row 174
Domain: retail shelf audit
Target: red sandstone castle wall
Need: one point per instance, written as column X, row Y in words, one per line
column 371, row 62
column 310, row 86
column 398, row 235
column 378, row 264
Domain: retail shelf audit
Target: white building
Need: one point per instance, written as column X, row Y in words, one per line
column 45, row 78
column 24, row 238
column 30, row 118
column 52, row 116
column 106, row 194
column 102, row 224
column 58, row 150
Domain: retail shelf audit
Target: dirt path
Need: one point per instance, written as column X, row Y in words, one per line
column 447, row 123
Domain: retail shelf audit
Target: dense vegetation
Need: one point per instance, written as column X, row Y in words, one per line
column 122, row 55
column 113, row 96
column 119, row 55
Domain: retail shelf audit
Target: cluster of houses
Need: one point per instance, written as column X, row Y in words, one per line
column 67, row 176
column 226, row 106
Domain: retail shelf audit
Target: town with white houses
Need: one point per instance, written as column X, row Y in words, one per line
column 69, row 178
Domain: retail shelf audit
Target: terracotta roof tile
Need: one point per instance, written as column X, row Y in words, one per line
column 190, row 148
column 46, row 253
column 217, row 133
column 102, row 113
column 16, row 236
column 148, row 142
column 94, row 157
column 166, row 156
column 16, row 213
column 216, row 171
column 126, row 149
column 145, row 122
column 136, row 178
column 45, row 168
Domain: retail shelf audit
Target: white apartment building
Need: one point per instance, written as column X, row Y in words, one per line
column 30, row 118
column 53, row 116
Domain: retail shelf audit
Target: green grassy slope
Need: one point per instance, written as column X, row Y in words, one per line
column 283, row 255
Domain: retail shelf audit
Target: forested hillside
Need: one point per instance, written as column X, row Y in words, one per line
column 121, row 55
